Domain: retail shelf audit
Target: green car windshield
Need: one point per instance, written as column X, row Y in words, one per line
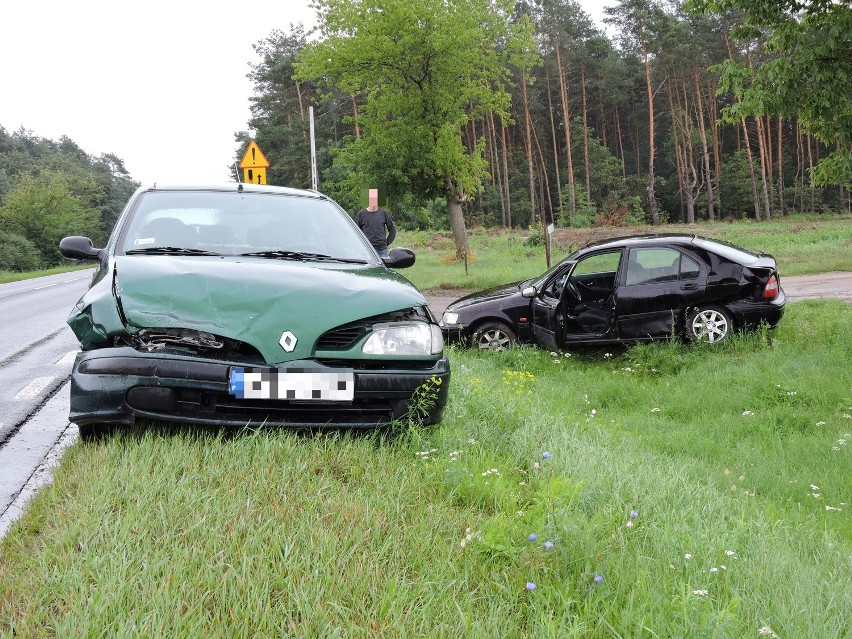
column 237, row 223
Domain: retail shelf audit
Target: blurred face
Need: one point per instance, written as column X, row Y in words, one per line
column 373, row 199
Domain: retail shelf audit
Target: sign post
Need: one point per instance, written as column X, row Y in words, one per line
column 254, row 165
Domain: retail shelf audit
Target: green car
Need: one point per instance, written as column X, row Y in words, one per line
column 248, row 305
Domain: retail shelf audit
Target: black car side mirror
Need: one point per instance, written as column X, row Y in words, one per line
column 399, row 258
column 78, row 247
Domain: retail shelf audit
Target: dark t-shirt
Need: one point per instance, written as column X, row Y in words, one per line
column 373, row 225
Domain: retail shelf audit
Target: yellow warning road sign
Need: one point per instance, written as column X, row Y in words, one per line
column 254, row 165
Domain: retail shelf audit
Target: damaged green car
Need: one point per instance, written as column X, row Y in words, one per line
column 249, row 305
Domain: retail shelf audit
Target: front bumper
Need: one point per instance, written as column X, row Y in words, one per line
column 120, row 385
column 453, row 333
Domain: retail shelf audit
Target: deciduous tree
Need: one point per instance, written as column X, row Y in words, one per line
column 423, row 71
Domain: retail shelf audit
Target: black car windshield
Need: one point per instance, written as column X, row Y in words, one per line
column 539, row 281
column 239, row 223
column 733, row 253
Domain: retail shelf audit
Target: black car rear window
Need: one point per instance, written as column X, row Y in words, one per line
column 733, row 253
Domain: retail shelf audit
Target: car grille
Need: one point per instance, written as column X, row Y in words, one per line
column 221, row 407
column 342, row 337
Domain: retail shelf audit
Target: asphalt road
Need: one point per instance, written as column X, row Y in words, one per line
column 37, row 351
column 36, row 346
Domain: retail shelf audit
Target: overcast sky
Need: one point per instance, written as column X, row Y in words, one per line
column 162, row 85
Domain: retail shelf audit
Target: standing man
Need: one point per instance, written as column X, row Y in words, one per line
column 373, row 221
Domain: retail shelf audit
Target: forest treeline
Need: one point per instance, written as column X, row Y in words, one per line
column 513, row 114
column 720, row 109
column 51, row 189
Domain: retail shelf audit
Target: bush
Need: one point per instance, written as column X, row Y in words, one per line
column 17, row 253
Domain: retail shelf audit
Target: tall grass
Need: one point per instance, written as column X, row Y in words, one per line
column 672, row 491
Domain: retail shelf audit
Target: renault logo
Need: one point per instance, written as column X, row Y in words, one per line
column 288, row 341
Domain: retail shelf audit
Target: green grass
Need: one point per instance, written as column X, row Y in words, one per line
column 801, row 245
column 195, row 534
column 12, row 276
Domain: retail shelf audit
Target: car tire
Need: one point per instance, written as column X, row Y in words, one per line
column 493, row 336
column 709, row 324
column 95, row 432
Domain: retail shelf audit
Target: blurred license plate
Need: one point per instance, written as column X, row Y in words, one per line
column 296, row 384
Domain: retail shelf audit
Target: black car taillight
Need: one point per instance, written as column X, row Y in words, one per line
column 771, row 290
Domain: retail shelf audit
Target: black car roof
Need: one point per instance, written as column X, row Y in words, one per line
column 638, row 240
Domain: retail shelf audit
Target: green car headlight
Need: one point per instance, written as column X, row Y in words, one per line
column 404, row 339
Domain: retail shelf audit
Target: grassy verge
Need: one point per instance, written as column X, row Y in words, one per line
column 685, row 491
column 12, row 276
column 802, row 245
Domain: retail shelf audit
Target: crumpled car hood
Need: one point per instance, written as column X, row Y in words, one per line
column 495, row 293
column 255, row 300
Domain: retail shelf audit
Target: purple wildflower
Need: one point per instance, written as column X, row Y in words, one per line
column 634, row 514
column 545, row 455
column 548, row 544
column 530, row 585
column 598, row 577
column 532, row 537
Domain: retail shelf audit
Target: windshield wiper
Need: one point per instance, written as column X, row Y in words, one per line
column 300, row 255
column 169, row 250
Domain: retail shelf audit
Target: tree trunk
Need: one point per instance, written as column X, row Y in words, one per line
column 770, row 167
column 751, row 170
column 586, row 136
column 717, row 150
column 497, row 171
column 455, row 198
column 529, row 144
column 620, row 143
column 544, row 221
column 680, row 164
column 841, row 186
column 555, row 145
column 705, row 153
column 800, row 166
column 355, row 115
column 810, row 169
column 506, row 175
column 652, row 198
column 761, row 147
column 563, row 87
column 782, row 204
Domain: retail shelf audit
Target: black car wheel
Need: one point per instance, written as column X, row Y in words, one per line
column 494, row 336
column 709, row 324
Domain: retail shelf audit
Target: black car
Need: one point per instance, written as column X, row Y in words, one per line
column 628, row 289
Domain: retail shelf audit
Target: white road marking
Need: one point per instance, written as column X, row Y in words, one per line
column 32, row 389
column 67, row 359
column 36, row 288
